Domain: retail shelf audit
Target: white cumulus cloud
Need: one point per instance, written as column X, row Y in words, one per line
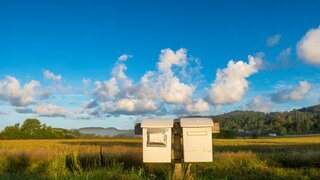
column 118, row 72
column 129, row 106
column 172, row 90
column 308, row 47
column 300, row 91
column 175, row 92
column 11, row 91
column 168, row 58
column 230, row 83
column 198, row 106
column 120, row 95
column 137, row 106
column 106, row 90
column 293, row 94
column 51, row 110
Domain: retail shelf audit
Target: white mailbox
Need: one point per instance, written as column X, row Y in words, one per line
column 197, row 139
column 156, row 140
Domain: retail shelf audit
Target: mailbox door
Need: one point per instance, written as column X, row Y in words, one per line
column 197, row 144
column 156, row 145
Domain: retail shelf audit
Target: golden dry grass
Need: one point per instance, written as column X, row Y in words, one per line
column 310, row 140
column 50, row 149
column 242, row 157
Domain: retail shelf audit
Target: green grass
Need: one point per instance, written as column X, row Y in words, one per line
column 276, row 158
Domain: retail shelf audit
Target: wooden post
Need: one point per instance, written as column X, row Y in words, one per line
column 102, row 162
column 177, row 150
column 177, row 142
column 177, row 173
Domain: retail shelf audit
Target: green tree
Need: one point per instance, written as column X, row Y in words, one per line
column 30, row 128
column 11, row 132
column 282, row 131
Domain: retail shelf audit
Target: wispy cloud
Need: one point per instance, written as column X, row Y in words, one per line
column 296, row 93
column 273, row 40
column 86, row 82
column 51, row 76
column 3, row 113
column 284, row 57
column 60, row 85
column 23, row 110
column 260, row 104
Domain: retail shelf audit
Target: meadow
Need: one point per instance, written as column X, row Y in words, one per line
column 108, row 158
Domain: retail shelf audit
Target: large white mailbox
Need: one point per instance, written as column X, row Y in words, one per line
column 197, row 139
column 156, row 140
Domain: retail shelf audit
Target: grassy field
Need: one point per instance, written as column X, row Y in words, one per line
column 277, row 158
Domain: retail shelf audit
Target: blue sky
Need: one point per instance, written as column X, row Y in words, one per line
column 81, row 63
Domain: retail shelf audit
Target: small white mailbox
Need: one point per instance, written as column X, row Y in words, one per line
column 197, row 139
column 156, row 140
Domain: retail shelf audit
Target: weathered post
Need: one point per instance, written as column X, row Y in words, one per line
column 102, row 161
column 177, row 150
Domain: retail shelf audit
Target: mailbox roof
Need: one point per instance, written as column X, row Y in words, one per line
column 156, row 123
column 196, row 122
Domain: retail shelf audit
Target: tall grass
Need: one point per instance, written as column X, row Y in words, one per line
column 283, row 158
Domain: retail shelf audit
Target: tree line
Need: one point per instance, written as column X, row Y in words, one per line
column 33, row 129
column 240, row 123
column 297, row 121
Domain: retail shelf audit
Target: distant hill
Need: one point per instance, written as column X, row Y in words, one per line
column 312, row 109
column 298, row 121
column 110, row 132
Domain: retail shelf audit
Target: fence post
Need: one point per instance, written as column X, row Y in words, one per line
column 177, row 150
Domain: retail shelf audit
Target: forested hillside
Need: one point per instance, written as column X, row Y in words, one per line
column 300, row 121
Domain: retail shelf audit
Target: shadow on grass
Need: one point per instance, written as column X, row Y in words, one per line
column 119, row 163
column 104, row 144
column 257, row 148
column 280, row 155
column 18, row 163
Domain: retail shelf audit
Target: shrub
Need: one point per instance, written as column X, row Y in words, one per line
column 17, row 164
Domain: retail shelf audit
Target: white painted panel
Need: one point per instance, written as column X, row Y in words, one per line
column 197, row 144
column 156, row 145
